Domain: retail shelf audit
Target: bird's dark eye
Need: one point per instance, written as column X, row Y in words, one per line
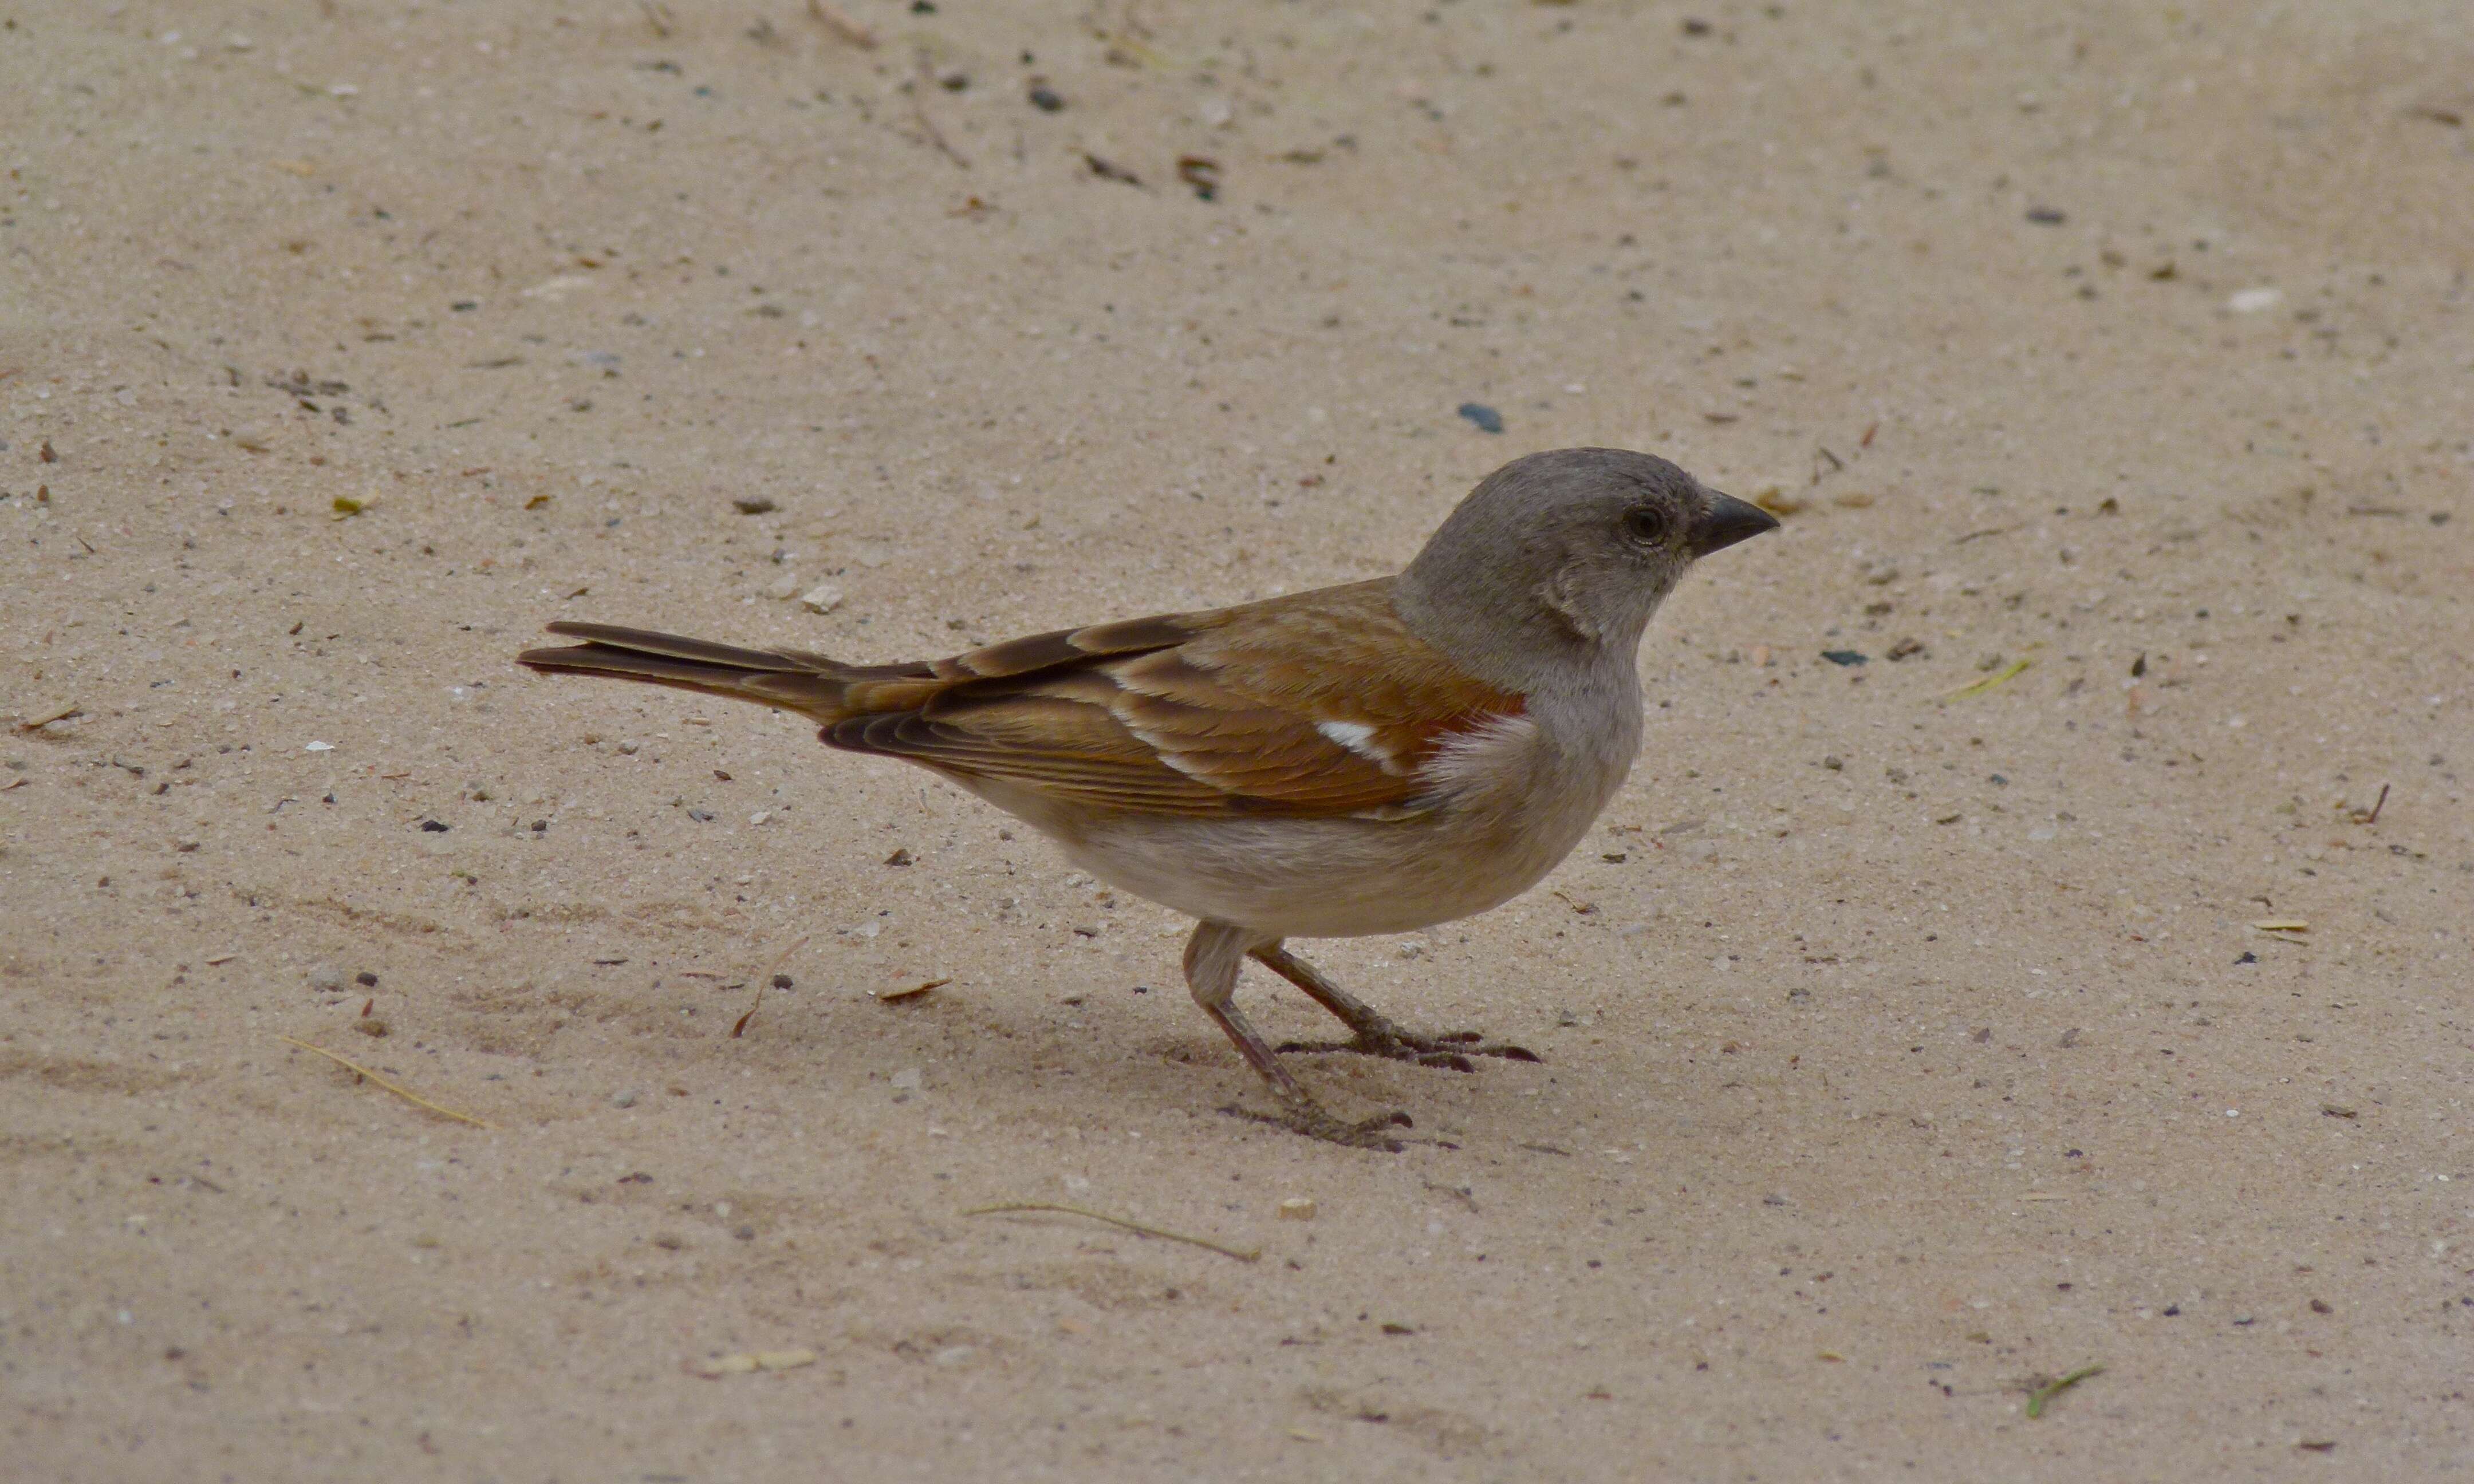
column 1645, row 524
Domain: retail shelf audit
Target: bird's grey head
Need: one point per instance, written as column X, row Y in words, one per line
column 1563, row 555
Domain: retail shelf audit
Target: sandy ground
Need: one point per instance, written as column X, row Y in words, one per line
column 1906, row 1047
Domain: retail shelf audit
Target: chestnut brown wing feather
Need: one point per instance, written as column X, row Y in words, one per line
column 1222, row 713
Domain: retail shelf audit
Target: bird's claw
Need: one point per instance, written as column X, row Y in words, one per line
column 1450, row 1049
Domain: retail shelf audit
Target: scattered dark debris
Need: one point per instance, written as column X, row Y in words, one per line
column 2372, row 815
column 1486, row 419
column 1202, row 173
column 366, row 980
column 1107, row 170
column 1906, row 647
column 753, row 505
column 900, row 857
column 1845, row 657
column 2247, row 958
column 433, row 827
column 2046, row 215
column 1044, row 98
column 2338, row 1111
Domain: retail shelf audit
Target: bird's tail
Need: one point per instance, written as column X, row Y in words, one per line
column 790, row 679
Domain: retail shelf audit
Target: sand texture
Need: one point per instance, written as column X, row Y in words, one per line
column 2001, row 962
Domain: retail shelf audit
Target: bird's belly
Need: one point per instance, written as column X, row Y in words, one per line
column 1335, row 877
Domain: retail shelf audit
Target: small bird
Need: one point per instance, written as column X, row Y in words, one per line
column 1374, row 757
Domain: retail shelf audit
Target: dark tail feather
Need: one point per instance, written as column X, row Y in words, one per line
column 792, row 681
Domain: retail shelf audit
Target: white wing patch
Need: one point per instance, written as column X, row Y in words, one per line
column 1359, row 738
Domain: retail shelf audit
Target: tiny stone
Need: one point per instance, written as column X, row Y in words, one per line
column 1298, row 1208
column 252, row 437
column 822, row 598
column 908, row 1079
column 627, row 1099
column 327, row 979
column 780, row 981
column 752, row 505
column 784, row 588
column 366, row 979
column 1045, row 98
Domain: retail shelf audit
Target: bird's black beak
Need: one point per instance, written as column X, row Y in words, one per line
column 1727, row 521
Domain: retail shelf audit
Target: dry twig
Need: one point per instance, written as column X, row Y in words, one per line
column 1241, row 1254
column 395, row 1087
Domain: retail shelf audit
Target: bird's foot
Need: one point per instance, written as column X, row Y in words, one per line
column 1448, row 1049
column 1309, row 1119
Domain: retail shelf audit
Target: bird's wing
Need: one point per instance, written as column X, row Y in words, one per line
column 1316, row 704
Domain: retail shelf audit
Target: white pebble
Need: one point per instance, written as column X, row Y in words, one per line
column 822, row 598
column 2254, row 300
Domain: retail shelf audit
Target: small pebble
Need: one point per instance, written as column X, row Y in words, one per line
column 627, row 1099
column 252, row 437
column 752, row 505
column 822, row 598
column 366, row 979
column 2245, row 302
column 1298, row 1208
column 327, row 979
column 908, row 1079
column 1487, row 419
column 1045, row 98
column 784, row 588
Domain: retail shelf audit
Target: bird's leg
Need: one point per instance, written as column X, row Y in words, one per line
column 1378, row 1035
column 1213, row 957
